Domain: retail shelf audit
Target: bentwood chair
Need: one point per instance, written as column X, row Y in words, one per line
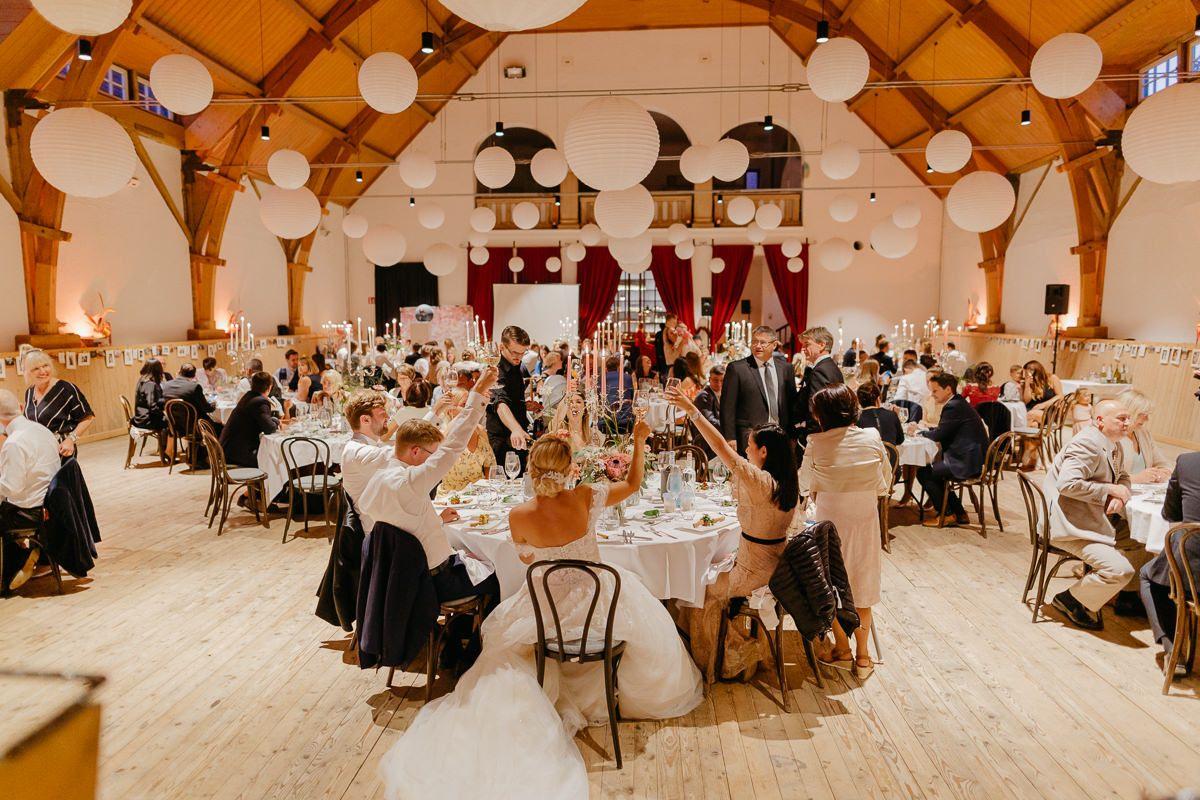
column 1184, row 583
column 448, row 611
column 181, row 432
column 309, row 465
column 35, row 535
column 230, row 481
column 137, row 436
column 202, row 427
column 739, row 608
column 580, row 646
column 885, row 501
column 1037, row 514
column 699, row 459
column 985, row 482
column 1051, row 428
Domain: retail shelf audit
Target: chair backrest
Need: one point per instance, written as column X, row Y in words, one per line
column 1037, row 513
column 894, row 457
column 699, row 458
column 588, row 568
column 216, row 454
column 295, row 448
column 127, row 407
column 1051, row 426
column 204, row 426
column 997, row 417
column 998, row 453
column 181, row 419
column 1183, row 577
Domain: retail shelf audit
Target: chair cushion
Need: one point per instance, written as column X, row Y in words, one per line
column 575, row 647
column 246, row 474
column 314, row 483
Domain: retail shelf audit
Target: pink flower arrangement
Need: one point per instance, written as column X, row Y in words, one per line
column 616, row 466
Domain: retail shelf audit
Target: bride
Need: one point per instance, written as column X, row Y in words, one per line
column 501, row 735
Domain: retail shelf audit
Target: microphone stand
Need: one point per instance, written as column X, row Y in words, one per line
column 1054, row 358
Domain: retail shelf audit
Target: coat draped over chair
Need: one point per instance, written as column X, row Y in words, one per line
column 810, row 581
column 397, row 602
column 337, row 596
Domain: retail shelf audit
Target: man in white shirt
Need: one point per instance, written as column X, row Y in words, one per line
column 954, row 361
column 913, row 385
column 28, row 462
column 211, row 378
column 365, row 453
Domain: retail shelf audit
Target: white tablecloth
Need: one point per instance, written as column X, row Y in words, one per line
column 658, row 415
column 224, row 409
column 917, row 451
column 1100, row 391
column 1020, row 417
column 1146, row 523
column 270, row 455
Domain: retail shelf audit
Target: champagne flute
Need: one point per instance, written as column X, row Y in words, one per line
column 512, row 465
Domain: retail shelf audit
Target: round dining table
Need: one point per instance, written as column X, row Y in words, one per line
column 917, row 451
column 1144, row 512
column 270, row 451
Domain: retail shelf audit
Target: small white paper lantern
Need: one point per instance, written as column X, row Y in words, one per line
column 576, row 252
column 685, row 249
column 980, row 201
column 948, row 151
column 624, row 213
column 482, row 219
column 612, row 143
column 632, row 249
column 82, row 152
column 354, row 226
column 677, row 232
column 755, row 233
column 834, row 254
column 516, row 264
column 289, row 213
column 84, row 17
column 696, row 163
column 891, row 241
column 288, row 169
column 553, row 264
column 387, row 82
column 494, row 167
column 907, row 215
column 729, row 159
column 795, row 264
column 477, row 239
column 384, row 245
column 525, row 215
column 740, row 210
column 840, row 161
column 716, row 265
column 838, row 69
column 843, row 208
column 417, row 170
column 1066, row 65
column 639, row 266
column 479, row 256
column 441, row 259
column 1161, row 141
column 548, row 167
column 181, row 84
column 590, row 234
column 430, row 215
column 768, row 216
column 792, row 247
column 506, row 15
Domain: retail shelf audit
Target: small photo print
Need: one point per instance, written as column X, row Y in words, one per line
column 110, row 358
column 72, row 359
column 85, row 359
column 1195, row 359
column 3, row 369
column 195, row 351
column 1074, row 347
column 1141, row 350
column 1164, row 355
column 141, row 354
column 1176, row 356
column 62, row 358
column 127, row 357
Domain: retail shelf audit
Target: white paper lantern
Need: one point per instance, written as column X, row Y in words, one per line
column 289, row 213
column 84, row 17
column 506, row 15
column 768, row 216
column 792, row 247
column 739, row 210
column 494, row 167
column 834, row 254
column 1066, row 65
column 729, row 159
column 795, row 264
column 576, row 252
column 980, row 201
column 548, row 167
column 181, row 84
column 639, row 266
column 624, row 213
column 354, row 226
column 477, row 239
column 843, row 208
column 1161, row 141
column 387, row 82
column 948, row 151
column 612, row 143
column 696, row 163
column 441, row 259
column 553, row 264
column 384, row 245
column 840, row 161
column 891, row 241
column 83, row 152
column 479, row 256
column 590, row 234
column 482, row 219
column 417, row 170
column 755, row 233
column 716, row 266
column 516, row 264
column 632, row 249
column 685, row 250
column 288, row 169
column 838, row 69
column 677, row 233
column 907, row 215
column 430, row 215
column 525, row 215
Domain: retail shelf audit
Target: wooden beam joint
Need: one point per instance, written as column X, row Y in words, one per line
column 1090, row 247
column 45, row 232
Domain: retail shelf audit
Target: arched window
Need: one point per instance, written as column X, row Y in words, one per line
column 523, row 143
column 779, row 172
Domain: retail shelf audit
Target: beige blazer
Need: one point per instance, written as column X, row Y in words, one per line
column 1075, row 487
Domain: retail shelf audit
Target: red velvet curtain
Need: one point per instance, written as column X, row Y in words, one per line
column 481, row 279
column 727, row 286
column 673, row 278
column 535, row 265
column 791, row 287
column 599, row 275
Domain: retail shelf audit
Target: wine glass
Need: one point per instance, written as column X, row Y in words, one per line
column 641, row 403
column 718, row 472
column 512, row 465
column 495, row 474
column 902, row 413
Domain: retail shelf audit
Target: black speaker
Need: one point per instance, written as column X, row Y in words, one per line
column 1058, row 296
column 706, row 307
column 281, row 330
column 745, row 306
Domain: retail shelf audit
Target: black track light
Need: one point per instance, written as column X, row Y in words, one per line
column 768, row 123
column 265, row 133
column 873, row 198
column 720, row 200
column 499, row 128
column 427, row 42
column 823, row 31
column 928, row 170
column 557, row 201
column 84, row 50
column 1198, row 24
column 358, row 178
column 1026, row 117
column 412, row 202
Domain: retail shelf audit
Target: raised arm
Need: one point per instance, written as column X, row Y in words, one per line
column 458, row 434
column 637, row 467
column 715, row 438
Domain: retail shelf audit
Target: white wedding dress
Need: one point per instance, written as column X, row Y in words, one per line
column 501, row 735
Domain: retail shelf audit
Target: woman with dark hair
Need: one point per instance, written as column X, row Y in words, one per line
column 1038, row 390
column 979, row 389
column 148, row 397
column 875, row 416
column 644, row 375
column 766, row 490
column 845, row 471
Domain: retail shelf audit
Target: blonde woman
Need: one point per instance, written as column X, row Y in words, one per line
column 571, row 422
column 304, row 386
column 332, row 390
column 55, row 403
column 473, row 463
column 1143, row 460
column 868, row 372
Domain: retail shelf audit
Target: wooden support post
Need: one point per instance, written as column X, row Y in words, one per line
column 204, row 285
column 296, row 273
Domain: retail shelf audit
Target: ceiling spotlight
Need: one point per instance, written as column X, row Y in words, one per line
column 264, row 133
column 412, row 202
column 514, row 72
column 427, row 42
column 823, row 31
column 499, row 128
column 557, row 201
column 358, row 178
column 84, row 50
column 720, row 200
column 1026, row 117
column 928, row 170
column 768, row 123
column 873, row 198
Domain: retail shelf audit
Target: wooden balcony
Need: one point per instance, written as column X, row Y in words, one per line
column 669, row 208
column 503, row 204
column 788, row 202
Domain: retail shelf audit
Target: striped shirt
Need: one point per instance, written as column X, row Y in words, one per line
column 61, row 409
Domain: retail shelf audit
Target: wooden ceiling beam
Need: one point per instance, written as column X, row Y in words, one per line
column 849, row 10
column 990, row 94
column 927, row 41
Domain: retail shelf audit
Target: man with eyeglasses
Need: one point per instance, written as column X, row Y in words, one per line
column 759, row 390
column 822, row 371
column 507, row 414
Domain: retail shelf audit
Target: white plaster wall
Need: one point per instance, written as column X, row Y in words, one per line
column 13, row 318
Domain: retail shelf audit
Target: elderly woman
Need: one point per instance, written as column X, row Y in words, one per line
column 473, row 463
column 1143, row 460
column 57, row 404
column 331, row 389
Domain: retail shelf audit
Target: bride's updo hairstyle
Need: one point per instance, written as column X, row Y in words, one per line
column 549, row 463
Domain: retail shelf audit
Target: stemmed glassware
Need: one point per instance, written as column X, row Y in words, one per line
column 512, row 465
column 718, row 472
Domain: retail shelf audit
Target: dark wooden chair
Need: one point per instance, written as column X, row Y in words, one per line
column 699, row 458
column 316, row 477
column 204, row 426
column 885, row 501
column 739, row 608
column 230, row 481
column 1037, row 513
column 137, row 436
column 181, row 432
column 36, row 536
column 447, row 613
column 1187, row 603
column 993, row 464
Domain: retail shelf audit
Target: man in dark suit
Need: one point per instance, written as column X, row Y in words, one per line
column 660, row 352
column 289, row 374
column 186, row 388
column 886, row 362
column 251, row 418
column 1182, row 504
column 708, row 403
column 822, row 371
column 963, row 438
column 759, row 389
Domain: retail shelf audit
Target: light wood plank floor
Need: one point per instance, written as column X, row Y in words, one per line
column 222, row 682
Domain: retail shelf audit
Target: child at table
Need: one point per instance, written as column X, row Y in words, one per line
column 1081, row 411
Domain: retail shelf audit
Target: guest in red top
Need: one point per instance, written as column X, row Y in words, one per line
column 981, row 390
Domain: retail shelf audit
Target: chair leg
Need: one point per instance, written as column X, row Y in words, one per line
column 130, row 452
column 977, row 502
column 1181, row 625
column 777, row 648
column 261, row 486
column 1033, row 560
column 225, row 508
column 610, row 696
column 391, row 672
column 945, row 500
column 722, row 632
column 883, row 524
column 431, row 659
column 994, row 491
column 875, row 639
column 291, row 501
column 1043, row 583
column 811, row 655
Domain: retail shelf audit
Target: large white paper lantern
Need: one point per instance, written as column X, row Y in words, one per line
column 1161, row 141
column 387, row 82
column 612, row 143
column 417, row 170
column 631, row 249
column 181, row 84
column 907, row 215
column 288, row 169
column 840, row 161
column 83, row 152
column 482, row 219
column 685, row 249
column 384, row 245
column 84, row 17
column 639, row 266
column 591, row 235
column 768, row 216
column 696, row 163
column 431, row 216
column 553, row 264
column 838, row 69
column 495, row 167
column 354, row 226
column 980, row 201
column 795, row 264
column 477, row 239
column 716, row 266
column 441, row 259
column 289, row 213
column 740, row 210
column 755, row 233
column 525, row 215
column 729, row 159
column 677, row 233
column 479, row 256
column 834, row 254
column 1066, row 65
column 948, row 151
column 792, row 247
column 891, row 241
column 508, row 15
column 548, row 167
column 624, row 213
column 516, row 264
column 843, row 208
column 576, row 252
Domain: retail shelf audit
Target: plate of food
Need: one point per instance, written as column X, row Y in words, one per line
column 708, row 522
column 484, row 522
column 510, row 499
column 458, row 500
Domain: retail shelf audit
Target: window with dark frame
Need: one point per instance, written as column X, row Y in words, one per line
column 637, row 302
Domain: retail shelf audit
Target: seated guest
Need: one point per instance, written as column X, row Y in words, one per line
column 55, row 403
column 886, row 363
column 1081, row 417
column 148, row 399
column 1010, row 390
column 708, row 403
column 554, row 384
column 477, row 459
column 318, row 360
column 868, row 372
column 850, row 357
column 29, row 459
column 913, row 384
column 1038, row 390
column 405, row 375
column 1182, row 504
column 211, row 377
column 931, row 409
column 875, row 416
column 618, row 399
column 954, row 362
column 980, row 388
column 366, row 453
column 415, row 355
column 572, row 422
column 187, row 388
column 306, row 369
column 1143, row 460
column 332, row 391
column 253, row 367
column 963, row 439
column 645, row 375
column 250, row 419
column 419, row 393
column 289, row 374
